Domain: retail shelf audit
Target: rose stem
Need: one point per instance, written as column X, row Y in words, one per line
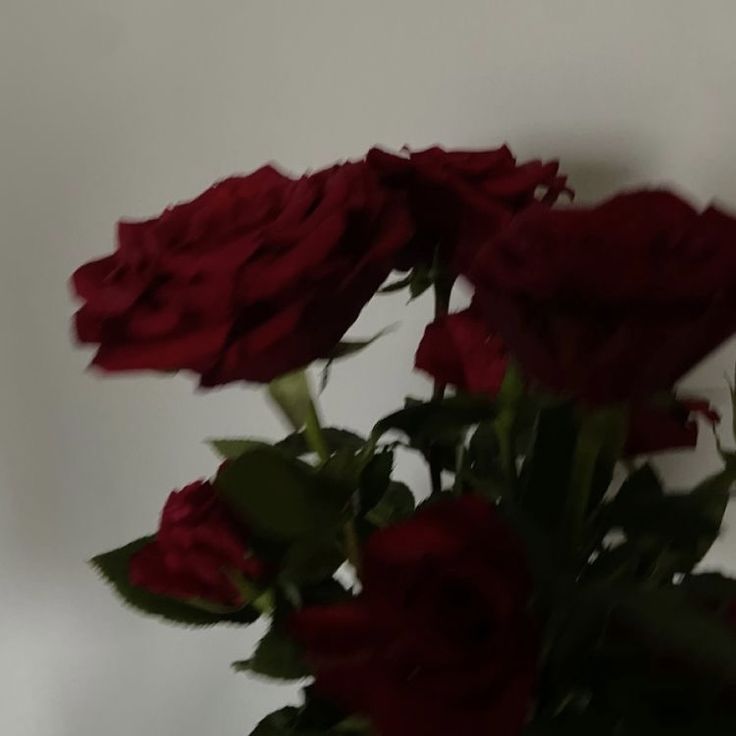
column 442, row 293
column 316, row 440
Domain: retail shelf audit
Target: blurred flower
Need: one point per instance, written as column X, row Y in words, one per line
column 259, row 275
column 439, row 641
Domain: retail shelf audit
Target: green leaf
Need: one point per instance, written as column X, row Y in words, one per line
column 397, row 504
column 483, row 448
column 354, row 725
column 482, row 469
column 229, row 449
column 621, row 562
column 292, row 395
column 114, row 567
column 513, row 388
column 344, row 468
column 346, row 348
column 641, row 488
column 320, row 714
column 375, row 479
column 280, row 723
column 547, row 470
column 419, row 279
column 668, row 532
column 655, row 700
column 679, row 628
column 325, row 592
column 311, row 560
column 600, row 441
column 711, row 587
column 337, row 439
column 280, row 497
column 293, row 721
column 510, row 399
column 640, row 497
column 295, row 444
column 397, row 285
column 424, row 422
column 709, row 501
column 654, row 636
column 277, row 656
column 422, row 278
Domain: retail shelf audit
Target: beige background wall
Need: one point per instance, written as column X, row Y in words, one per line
column 111, row 108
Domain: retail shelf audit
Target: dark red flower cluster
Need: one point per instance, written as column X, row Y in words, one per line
column 258, row 276
column 439, row 641
column 461, row 350
column 611, row 303
column 264, row 273
column 261, row 274
column 604, row 304
column 458, row 199
column 198, row 553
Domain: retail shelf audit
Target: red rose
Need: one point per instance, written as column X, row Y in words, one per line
column 462, row 351
column 460, row 198
column 654, row 428
column 198, row 552
column 439, row 641
column 615, row 302
column 258, row 276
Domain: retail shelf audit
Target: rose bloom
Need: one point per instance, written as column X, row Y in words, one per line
column 198, row 553
column 461, row 350
column 460, row 198
column 611, row 303
column 439, row 641
column 257, row 276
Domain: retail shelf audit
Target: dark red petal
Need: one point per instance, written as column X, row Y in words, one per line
column 89, row 278
column 89, row 327
column 388, row 164
column 105, row 291
column 437, row 356
column 267, row 278
column 193, row 351
column 703, row 408
column 148, row 323
column 461, row 350
column 337, row 633
column 658, row 430
column 473, row 163
column 481, row 351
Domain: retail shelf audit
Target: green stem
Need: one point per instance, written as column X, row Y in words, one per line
column 442, row 294
column 313, row 433
column 587, row 450
column 352, row 546
column 505, row 427
column 316, row 440
column 602, row 433
column 292, row 394
column 459, row 461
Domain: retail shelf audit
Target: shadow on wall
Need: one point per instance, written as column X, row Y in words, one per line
column 597, row 167
column 594, row 180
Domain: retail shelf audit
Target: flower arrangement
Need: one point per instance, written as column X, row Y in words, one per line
column 548, row 583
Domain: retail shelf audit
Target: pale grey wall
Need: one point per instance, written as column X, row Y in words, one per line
column 111, row 108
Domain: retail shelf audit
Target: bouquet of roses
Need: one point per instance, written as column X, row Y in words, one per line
column 548, row 582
